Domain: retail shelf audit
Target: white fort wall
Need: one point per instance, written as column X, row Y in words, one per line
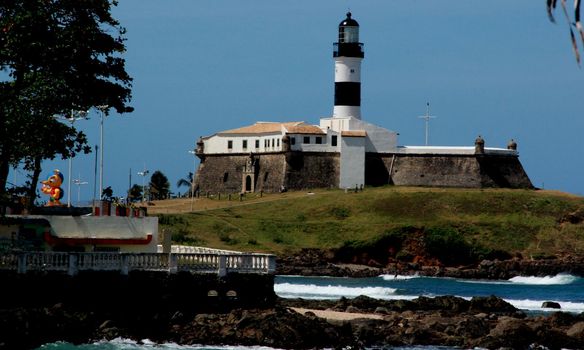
column 352, row 172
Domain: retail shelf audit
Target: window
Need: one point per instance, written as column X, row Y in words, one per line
column 257, row 143
column 334, row 140
column 225, row 177
column 278, row 142
column 244, row 144
column 266, row 143
column 318, row 140
column 229, row 144
column 292, row 140
column 266, row 176
column 273, row 143
column 306, row 139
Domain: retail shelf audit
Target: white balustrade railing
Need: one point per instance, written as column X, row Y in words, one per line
column 72, row 263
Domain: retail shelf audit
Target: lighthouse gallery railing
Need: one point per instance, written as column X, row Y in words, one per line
column 73, row 263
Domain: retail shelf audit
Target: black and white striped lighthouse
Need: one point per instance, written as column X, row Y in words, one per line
column 348, row 53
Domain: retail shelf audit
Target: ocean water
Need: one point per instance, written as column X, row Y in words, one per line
column 525, row 293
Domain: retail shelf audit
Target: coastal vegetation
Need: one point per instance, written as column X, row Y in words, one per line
column 451, row 226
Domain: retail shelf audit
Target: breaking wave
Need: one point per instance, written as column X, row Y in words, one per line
column 312, row 291
column 546, row 280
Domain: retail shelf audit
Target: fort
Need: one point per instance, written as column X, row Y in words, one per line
column 344, row 151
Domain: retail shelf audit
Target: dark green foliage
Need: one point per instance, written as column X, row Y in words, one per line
column 182, row 236
column 340, row 212
column 159, row 185
column 447, row 245
column 386, row 245
column 135, row 194
column 57, row 57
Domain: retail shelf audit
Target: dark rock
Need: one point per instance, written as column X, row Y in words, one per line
column 576, row 331
column 513, row 333
column 551, row 305
column 491, row 304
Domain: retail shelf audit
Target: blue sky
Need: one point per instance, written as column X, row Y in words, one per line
column 496, row 68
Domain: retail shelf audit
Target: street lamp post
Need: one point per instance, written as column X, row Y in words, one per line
column 193, row 177
column 73, row 117
column 103, row 109
column 78, row 182
column 143, row 173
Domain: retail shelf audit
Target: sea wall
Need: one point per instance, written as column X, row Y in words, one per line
column 147, row 290
column 39, row 308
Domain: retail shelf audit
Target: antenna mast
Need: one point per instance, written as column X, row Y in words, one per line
column 427, row 118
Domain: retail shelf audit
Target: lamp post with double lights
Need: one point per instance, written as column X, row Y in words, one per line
column 72, row 118
column 78, row 182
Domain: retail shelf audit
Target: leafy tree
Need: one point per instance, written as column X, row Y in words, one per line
column 57, row 56
column 159, row 185
column 135, row 194
column 107, row 193
column 187, row 182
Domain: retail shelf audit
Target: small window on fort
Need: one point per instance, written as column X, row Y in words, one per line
column 257, row 143
column 229, row 144
column 266, row 143
column 318, row 140
column 244, row 144
column 306, row 139
column 273, row 143
column 292, row 140
column 225, row 177
column 266, row 176
column 334, row 140
column 278, row 142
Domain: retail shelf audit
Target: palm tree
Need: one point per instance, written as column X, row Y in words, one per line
column 551, row 5
column 159, row 185
column 188, row 182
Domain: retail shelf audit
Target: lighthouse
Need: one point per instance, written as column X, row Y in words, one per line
column 348, row 53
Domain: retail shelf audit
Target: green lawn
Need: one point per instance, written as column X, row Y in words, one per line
column 516, row 221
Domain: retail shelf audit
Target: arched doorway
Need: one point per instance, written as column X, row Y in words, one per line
column 248, row 183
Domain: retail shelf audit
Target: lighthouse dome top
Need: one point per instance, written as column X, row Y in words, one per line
column 348, row 22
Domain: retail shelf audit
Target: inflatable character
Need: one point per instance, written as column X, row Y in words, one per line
column 52, row 187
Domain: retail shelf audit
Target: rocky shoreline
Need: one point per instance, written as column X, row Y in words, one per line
column 362, row 322
column 316, row 262
column 485, row 322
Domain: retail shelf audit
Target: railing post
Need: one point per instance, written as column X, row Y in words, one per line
column 172, row 263
column 222, row 268
column 124, row 264
column 271, row 263
column 73, row 265
column 22, row 263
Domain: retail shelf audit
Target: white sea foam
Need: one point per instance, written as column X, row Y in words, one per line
column 312, row 291
column 546, row 280
column 398, row 277
column 128, row 344
column 535, row 305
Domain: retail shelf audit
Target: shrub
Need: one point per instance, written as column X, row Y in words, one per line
column 448, row 246
column 340, row 212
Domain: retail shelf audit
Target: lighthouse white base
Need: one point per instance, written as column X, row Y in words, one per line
column 347, row 111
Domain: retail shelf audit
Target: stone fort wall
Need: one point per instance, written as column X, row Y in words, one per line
column 470, row 171
column 304, row 170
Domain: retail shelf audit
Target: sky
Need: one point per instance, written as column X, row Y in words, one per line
column 498, row 68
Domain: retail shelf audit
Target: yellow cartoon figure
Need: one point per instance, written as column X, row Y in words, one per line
column 52, row 187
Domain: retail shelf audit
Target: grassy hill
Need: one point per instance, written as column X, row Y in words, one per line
column 531, row 223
